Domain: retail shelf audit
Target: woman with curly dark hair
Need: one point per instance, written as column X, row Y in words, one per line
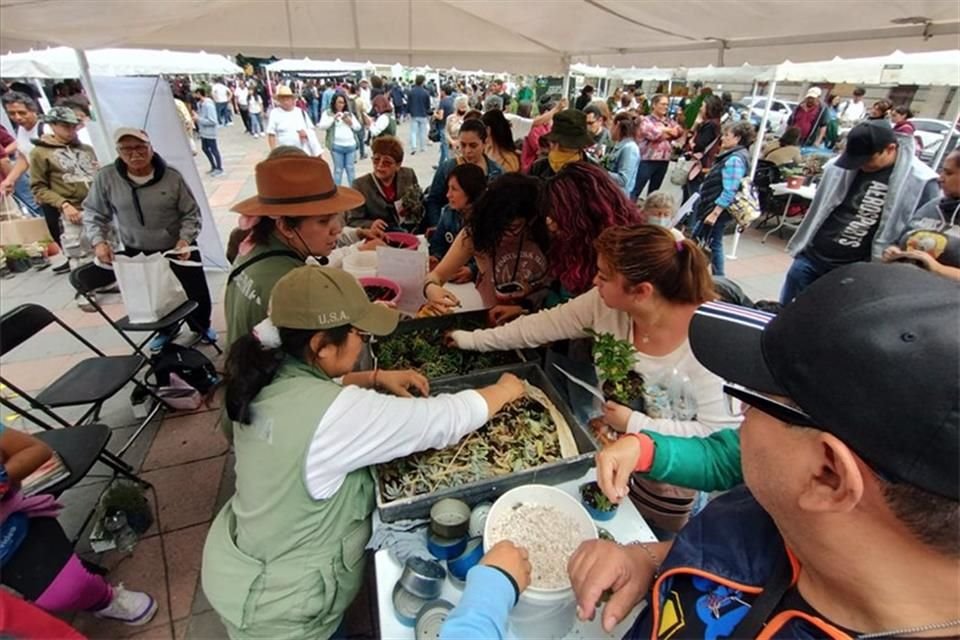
column 578, row 204
column 507, row 234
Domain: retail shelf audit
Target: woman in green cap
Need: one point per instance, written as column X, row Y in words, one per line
column 284, row 557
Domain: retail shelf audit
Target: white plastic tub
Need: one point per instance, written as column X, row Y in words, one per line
column 542, row 613
column 362, row 264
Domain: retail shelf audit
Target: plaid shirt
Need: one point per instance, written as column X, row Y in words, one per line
column 654, row 144
column 732, row 172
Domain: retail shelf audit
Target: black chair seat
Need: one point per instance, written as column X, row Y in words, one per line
column 79, row 448
column 177, row 315
column 91, row 380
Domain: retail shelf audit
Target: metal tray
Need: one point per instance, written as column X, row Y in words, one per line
column 488, row 490
column 468, row 320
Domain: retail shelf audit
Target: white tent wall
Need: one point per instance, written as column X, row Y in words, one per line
column 147, row 103
column 61, row 62
column 539, row 37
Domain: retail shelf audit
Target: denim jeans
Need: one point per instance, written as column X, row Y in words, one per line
column 652, row 171
column 224, row 115
column 444, row 148
column 714, row 240
column 418, row 133
column 212, row 151
column 23, row 194
column 344, row 159
column 314, row 107
column 256, row 125
column 361, row 136
column 803, row 272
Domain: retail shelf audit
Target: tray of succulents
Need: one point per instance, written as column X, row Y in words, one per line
column 535, row 439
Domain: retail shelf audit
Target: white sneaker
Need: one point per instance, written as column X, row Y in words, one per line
column 129, row 607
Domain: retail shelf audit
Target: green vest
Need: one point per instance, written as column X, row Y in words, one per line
column 248, row 294
column 277, row 563
column 391, row 129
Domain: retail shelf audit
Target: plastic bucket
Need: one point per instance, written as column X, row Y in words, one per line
column 541, row 613
column 361, row 264
column 373, row 281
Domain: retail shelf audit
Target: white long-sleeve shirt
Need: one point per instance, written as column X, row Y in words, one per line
column 587, row 311
column 380, row 124
column 362, row 428
column 343, row 134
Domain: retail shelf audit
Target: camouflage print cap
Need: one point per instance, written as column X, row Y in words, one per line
column 64, row 115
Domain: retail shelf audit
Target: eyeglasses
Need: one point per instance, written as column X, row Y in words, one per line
column 386, row 161
column 142, row 149
column 739, row 400
column 365, row 336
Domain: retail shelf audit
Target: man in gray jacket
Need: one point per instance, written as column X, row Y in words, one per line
column 155, row 211
column 863, row 204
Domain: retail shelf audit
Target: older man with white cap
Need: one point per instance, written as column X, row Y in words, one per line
column 288, row 125
column 155, row 211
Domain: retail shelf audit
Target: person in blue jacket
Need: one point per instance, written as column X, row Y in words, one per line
column 465, row 184
column 472, row 142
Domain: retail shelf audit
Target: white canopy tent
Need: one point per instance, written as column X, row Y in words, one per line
column 61, row 62
column 541, row 37
column 306, row 64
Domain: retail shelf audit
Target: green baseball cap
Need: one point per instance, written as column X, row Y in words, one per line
column 64, row 115
column 312, row 297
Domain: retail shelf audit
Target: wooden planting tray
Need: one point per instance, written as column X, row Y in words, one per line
column 418, row 506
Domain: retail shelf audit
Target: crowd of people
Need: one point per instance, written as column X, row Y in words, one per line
column 800, row 418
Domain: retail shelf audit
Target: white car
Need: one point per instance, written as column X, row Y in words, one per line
column 931, row 133
column 780, row 112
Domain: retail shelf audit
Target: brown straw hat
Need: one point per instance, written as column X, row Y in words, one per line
column 297, row 186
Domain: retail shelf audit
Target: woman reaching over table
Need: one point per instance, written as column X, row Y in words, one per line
column 284, row 557
column 37, row 558
column 507, row 234
column 647, row 287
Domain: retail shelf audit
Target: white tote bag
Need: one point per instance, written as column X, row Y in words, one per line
column 149, row 288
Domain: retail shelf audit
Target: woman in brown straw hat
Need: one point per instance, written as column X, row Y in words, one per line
column 299, row 214
column 284, row 557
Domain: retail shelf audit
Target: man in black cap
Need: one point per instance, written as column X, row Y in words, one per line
column 568, row 138
column 863, row 204
column 849, row 523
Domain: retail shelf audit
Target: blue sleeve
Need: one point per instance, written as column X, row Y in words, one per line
column 733, row 172
column 626, row 174
column 208, row 114
column 483, row 609
column 437, row 195
column 438, row 241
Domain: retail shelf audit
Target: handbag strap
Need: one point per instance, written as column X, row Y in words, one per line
column 183, row 263
column 263, row 256
column 766, row 603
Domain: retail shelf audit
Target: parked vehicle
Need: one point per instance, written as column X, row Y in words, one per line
column 931, row 133
column 780, row 111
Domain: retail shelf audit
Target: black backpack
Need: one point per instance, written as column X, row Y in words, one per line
column 193, row 367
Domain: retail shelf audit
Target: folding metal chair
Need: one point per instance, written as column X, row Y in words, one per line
column 91, row 381
column 87, row 279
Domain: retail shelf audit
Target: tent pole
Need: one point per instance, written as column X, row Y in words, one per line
column 566, row 85
column 670, row 86
column 763, row 127
column 44, row 103
column 756, row 156
column 105, row 152
column 756, row 86
column 946, row 141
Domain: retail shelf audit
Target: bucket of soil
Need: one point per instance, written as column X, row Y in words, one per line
column 380, row 289
column 596, row 503
column 401, row 240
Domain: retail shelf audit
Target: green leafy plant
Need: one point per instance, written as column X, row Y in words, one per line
column 15, row 252
column 424, row 350
column 595, row 498
column 129, row 498
column 615, row 360
column 791, row 171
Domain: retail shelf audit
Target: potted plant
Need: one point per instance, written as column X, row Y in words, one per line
column 794, row 177
column 614, row 359
column 596, row 503
column 129, row 498
column 37, row 252
column 18, row 260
